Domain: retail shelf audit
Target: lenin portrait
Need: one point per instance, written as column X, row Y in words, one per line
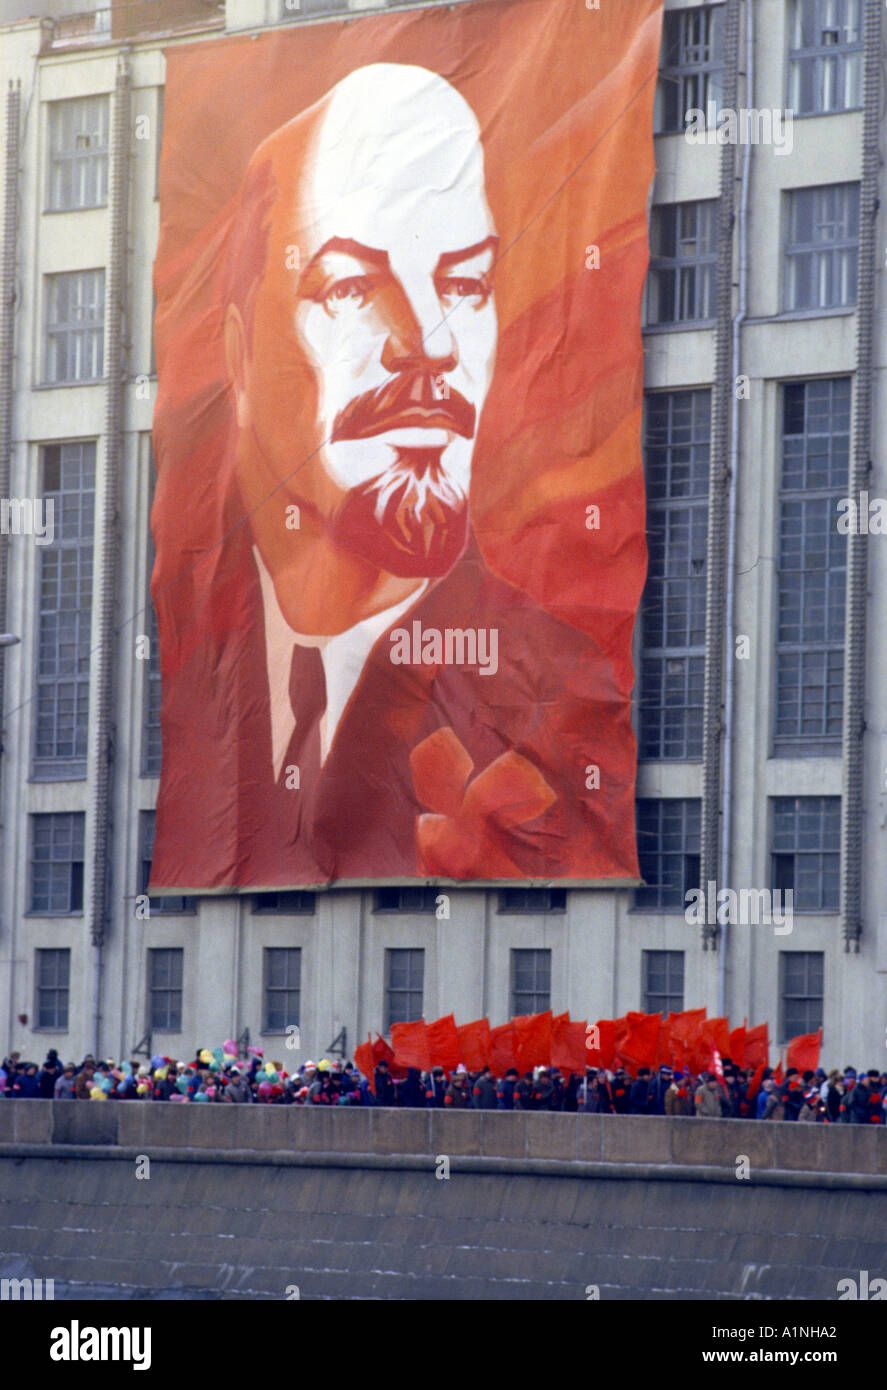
column 399, row 532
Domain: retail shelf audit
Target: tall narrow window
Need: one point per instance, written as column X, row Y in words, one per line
column 78, row 154
column 821, row 246
column 283, row 987
column 801, row 976
column 812, row 567
column 404, row 985
column 65, row 599
column 53, row 971
column 676, row 458
column 683, row 262
column 57, row 862
column 75, row 327
column 806, row 851
column 825, row 56
column 662, row 982
column 165, row 990
column 668, row 849
column 530, row 982
column 691, row 65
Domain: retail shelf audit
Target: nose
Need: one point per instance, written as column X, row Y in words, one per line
column 418, row 337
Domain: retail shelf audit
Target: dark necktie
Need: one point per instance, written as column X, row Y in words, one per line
column 308, row 701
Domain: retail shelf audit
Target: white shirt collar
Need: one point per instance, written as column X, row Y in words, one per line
column 344, row 657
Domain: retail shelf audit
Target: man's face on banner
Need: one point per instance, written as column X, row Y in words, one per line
column 374, row 330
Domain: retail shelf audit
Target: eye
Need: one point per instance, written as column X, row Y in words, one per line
column 476, row 290
column 355, row 288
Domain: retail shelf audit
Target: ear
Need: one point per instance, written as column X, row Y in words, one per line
column 235, row 357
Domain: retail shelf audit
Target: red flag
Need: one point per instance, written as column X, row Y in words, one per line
column 383, row 1053
column 532, row 1041
column 737, row 1044
column 620, row 1033
column 474, row 1043
column 600, row 1043
column 716, row 1066
column 715, row 1033
column 757, row 1046
column 666, row 1042
column 443, row 1043
column 685, row 1031
column 779, row 1074
column 803, row 1052
column 502, row 1047
column 640, row 1043
column 568, row 1051
column 755, row 1084
column 410, row 1043
column 365, row 1062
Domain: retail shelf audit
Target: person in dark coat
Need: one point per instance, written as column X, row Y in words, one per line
column 26, row 1086
column 483, row 1092
column 658, row 1090
column 792, row 1093
column 49, row 1074
column 505, row 1092
column 412, row 1092
column 457, row 1096
column 639, row 1096
column 620, row 1092
column 435, row 1089
column 523, row 1092
column 544, row 1092
column 384, row 1085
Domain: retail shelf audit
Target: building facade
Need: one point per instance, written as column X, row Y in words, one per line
column 760, row 700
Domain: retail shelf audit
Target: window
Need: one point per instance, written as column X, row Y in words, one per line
column 690, row 66
column 404, row 982
column 801, row 975
column 165, row 990
column 530, row 982
column 825, row 56
column 821, row 246
column 668, row 850
column 65, row 614
column 57, row 862
column 676, row 463
column 806, row 851
column 52, row 973
column 683, row 258
column 283, row 985
column 533, row 900
column 406, row 899
column 75, row 326
column 302, row 904
column 78, row 154
column 812, row 567
column 178, row 903
column 662, row 982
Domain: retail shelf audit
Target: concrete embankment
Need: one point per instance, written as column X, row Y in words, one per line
column 276, row 1202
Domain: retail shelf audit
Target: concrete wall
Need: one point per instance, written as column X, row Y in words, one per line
column 254, row 1202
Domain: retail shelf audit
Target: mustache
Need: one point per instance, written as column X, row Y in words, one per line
column 407, row 401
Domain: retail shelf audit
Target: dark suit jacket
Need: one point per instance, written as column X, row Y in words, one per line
column 223, row 821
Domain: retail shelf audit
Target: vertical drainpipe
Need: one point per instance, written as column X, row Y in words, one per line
column 7, row 339
column 7, row 345
column 102, row 722
column 725, row 875
column 857, row 556
column 722, row 399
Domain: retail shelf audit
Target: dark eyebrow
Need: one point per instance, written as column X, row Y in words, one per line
column 456, row 257
column 350, row 248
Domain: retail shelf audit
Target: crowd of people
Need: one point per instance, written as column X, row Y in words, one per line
column 847, row 1097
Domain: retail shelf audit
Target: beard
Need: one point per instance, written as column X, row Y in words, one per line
column 410, row 521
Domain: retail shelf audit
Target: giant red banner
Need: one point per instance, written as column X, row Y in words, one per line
column 399, row 512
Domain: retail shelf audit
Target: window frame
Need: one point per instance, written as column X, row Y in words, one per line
column 99, row 158
column 792, row 251
column 56, row 988
column 540, row 994
column 703, row 264
column 416, row 956
column 177, row 956
column 287, row 989
column 93, row 329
